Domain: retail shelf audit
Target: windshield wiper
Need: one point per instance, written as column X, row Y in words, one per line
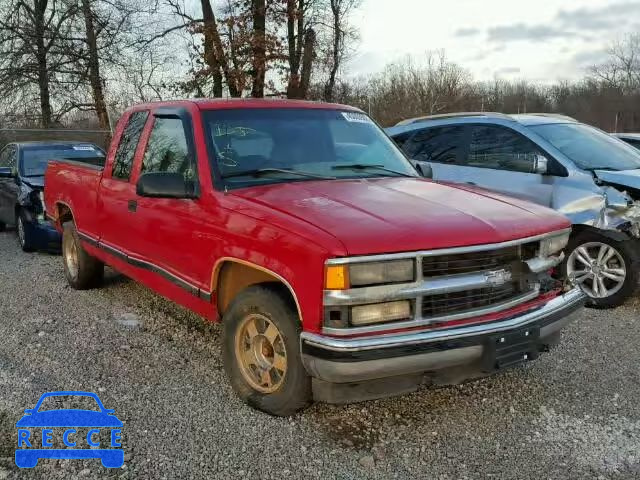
column 259, row 172
column 367, row 166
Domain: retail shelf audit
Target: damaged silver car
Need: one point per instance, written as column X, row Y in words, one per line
column 588, row 175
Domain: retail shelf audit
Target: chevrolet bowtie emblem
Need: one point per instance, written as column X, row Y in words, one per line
column 496, row 278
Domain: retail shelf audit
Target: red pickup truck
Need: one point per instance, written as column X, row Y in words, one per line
column 337, row 271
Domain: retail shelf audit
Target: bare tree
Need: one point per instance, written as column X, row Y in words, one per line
column 93, row 65
column 622, row 68
column 341, row 36
column 259, row 46
column 32, row 48
column 301, row 43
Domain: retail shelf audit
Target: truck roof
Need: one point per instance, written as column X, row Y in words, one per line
column 227, row 103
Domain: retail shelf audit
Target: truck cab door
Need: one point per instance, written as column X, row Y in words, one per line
column 173, row 235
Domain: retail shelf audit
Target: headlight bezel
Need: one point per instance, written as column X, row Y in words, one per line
column 553, row 244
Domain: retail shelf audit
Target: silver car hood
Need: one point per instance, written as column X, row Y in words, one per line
column 624, row 178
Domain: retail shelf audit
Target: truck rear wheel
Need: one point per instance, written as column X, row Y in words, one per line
column 81, row 269
column 261, row 352
column 607, row 270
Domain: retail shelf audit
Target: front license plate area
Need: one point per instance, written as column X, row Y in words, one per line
column 511, row 348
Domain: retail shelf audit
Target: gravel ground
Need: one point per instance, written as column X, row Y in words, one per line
column 574, row 413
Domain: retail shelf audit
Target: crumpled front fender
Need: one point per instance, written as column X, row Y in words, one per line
column 608, row 209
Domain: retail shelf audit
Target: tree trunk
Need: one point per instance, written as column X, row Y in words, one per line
column 258, row 12
column 94, row 67
column 308, row 56
column 46, row 112
column 335, row 52
column 295, row 32
column 217, row 56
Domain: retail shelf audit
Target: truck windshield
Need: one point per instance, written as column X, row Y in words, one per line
column 35, row 158
column 588, row 147
column 274, row 145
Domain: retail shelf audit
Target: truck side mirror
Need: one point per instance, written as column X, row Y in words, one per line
column 541, row 165
column 165, row 185
column 6, row 172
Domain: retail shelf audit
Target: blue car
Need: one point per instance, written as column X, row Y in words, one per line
column 22, row 167
column 102, row 418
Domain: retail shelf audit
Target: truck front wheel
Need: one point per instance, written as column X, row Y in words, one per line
column 261, row 352
column 81, row 269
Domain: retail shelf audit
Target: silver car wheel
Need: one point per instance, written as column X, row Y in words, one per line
column 598, row 268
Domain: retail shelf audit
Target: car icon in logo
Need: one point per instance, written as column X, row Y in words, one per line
column 32, row 447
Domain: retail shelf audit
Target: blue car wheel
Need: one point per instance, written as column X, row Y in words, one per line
column 24, row 230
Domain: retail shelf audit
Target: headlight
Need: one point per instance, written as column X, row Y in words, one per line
column 377, row 273
column 554, row 244
column 380, row 312
column 342, row 277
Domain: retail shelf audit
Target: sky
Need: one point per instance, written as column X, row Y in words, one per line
column 537, row 40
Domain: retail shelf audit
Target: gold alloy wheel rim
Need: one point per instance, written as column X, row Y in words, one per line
column 71, row 259
column 260, row 353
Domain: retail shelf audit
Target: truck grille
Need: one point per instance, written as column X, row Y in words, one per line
column 468, row 262
column 468, row 300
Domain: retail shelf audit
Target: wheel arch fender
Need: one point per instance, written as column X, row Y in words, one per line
column 232, row 275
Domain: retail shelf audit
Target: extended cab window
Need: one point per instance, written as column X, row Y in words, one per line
column 501, row 149
column 128, row 144
column 167, row 150
column 439, row 144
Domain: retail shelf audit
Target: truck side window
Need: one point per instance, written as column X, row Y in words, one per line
column 167, row 150
column 128, row 144
column 439, row 144
column 501, row 148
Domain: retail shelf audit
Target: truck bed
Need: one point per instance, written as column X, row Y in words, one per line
column 73, row 184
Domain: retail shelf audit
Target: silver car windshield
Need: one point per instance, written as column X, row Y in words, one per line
column 588, row 147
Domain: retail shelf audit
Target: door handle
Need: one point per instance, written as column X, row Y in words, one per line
column 133, row 205
column 471, row 183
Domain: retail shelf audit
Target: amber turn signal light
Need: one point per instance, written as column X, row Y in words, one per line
column 337, row 277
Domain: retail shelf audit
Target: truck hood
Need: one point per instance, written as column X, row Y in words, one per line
column 401, row 214
column 622, row 179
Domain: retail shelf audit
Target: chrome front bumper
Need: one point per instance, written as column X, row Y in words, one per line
column 344, row 360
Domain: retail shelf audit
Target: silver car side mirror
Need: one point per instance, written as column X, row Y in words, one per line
column 424, row 169
column 541, row 164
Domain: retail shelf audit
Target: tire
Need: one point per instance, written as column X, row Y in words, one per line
column 264, row 307
column 3, row 227
column 626, row 259
column 23, row 232
column 81, row 269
